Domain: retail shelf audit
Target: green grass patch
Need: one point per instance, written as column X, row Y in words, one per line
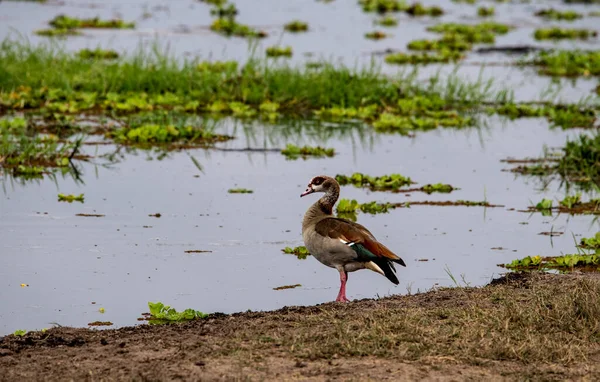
column 566, row 262
column 150, row 134
column 296, row 26
column 294, row 152
column 279, row 51
column 390, row 182
column 563, row 116
column 591, row 242
column 66, row 22
column 553, row 14
column 442, row 57
column 161, row 314
column 557, row 33
column 98, row 54
column 300, row 252
column 566, row 63
column 227, row 26
column 70, row 198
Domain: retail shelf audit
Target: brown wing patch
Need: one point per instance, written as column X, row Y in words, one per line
column 349, row 231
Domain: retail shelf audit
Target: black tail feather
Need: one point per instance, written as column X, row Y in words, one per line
column 388, row 269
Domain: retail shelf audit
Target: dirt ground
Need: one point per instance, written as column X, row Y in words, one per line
column 525, row 326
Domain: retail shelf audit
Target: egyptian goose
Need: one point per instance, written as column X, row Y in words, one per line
column 340, row 243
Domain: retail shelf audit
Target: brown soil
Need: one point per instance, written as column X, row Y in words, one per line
column 520, row 327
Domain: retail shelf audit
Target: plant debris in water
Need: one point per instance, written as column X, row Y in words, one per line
column 294, row 152
column 98, row 54
column 557, row 33
column 438, row 187
column 376, row 35
column 566, row 262
column 240, row 191
column 486, row 12
column 161, row 313
column 378, row 183
column 155, row 134
column 229, row 27
column 71, row 198
column 300, row 252
column 279, row 51
column 100, row 323
column 287, row 287
column 554, row 14
column 91, row 215
column 387, row 21
column 66, row 22
column 296, row 26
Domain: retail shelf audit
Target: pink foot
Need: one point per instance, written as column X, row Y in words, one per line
column 342, row 295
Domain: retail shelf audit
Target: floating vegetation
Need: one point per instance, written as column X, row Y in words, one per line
column 591, row 242
column 570, row 201
column 376, row 183
column 387, row 21
column 197, row 251
column 418, row 9
column 557, row 33
column 294, row 152
column 375, row 35
column 288, row 287
column 463, row 203
column 240, row 191
column 388, row 122
column 565, row 262
column 438, row 187
column 161, row 313
column 279, row 51
column 564, row 116
column 156, row 215
column 98, row 54
column 66, row 22
column 92, row 216
column 544, row 206
column 229, row 27
column 451, row 44
column 424, row 58
column 71, row 198
column 296, row 26
column 300, row 252
column 566, row 63
column 223, row 10
column 383, row 6
column 54, row 32
column 554, row 14
column 570, row 204
column 347, row 208
column 156, row 134
column 471, row 30
column 486, row 12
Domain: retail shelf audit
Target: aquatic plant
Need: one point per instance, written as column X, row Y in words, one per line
column 278, row 51
column 20, row 332
column 229, row 27
column 294, row 152
column 564, row 116
column 388, row 122
column 375, row 35
column 97, row 54
column 384, row 182
column 554, row 14
column 383, row 6
column 387, row 21
column 66, row 22
column 223, row 10
column 486, row 12
column 240, row 191
column 559, row 262
column 54, row 32
column 155, row 133
column 296, row 26
column 300, row 252
column 452, row 44
column 571, row 201
column 466, row 29
column 544, row 206
column 556, row 33
column 437, row 187
column 591, row 242
column 444, row 56
column 347, row 206
column 418, row 9
column 161, row 313
column 567, row 62
column 71, row 198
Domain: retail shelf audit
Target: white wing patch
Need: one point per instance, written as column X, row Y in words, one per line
column 348, row 243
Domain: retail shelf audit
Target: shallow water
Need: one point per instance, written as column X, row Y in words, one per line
column 76, row 265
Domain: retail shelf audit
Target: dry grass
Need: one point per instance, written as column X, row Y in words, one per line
column 534, row 326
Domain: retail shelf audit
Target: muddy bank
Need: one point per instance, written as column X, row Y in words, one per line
column 518, row 327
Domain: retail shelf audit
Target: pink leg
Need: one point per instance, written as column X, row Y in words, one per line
column 342, row 295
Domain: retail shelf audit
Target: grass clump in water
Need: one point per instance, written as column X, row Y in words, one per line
column 229, row 10
column 566, row 262
column 387, row 21
column 556, row 33
column 567, row 63
column 375, row 35
column 54, row 32
column 383, row 6
column 240, row 191
column 554, row 14
column 442, row 57
column 591, row 242
column 70, row 198
column 564, row 116
column 437, row 187
column 486, row 12
column 300, row 252
column 296, row 26
column 66, row 22
column 98, row 54
column 147, row 134
column 161, row 314
column 388, row 122
column 227, row 26
column 278, row 51
column 444, row 44
column 378, row 183
column 418, row 9
column 294, row 152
